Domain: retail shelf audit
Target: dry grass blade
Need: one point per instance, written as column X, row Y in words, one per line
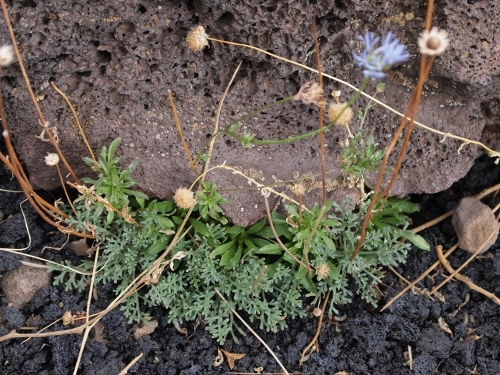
column 321, row 134
column 254, row 333
column 217, row 118
column 465, row 280
column 125, row 370
column 285, row 249
column 420, row 278
column 27, row 231
column 89, row 327
column 77, row 120
column 181, row 134
column 313, row 343
column 455, row 272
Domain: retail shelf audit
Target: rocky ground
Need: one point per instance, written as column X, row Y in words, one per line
column 359, row 340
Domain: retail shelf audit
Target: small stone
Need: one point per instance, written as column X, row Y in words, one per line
column 21, row 285
column 473, row 222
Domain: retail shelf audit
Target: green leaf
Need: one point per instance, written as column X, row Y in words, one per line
column 306, row 282
column 157, row 247
column 228, row 255
column 328, row 242
column 416, row 239
column 235, row 230
column 235, row 259
column 334, row 272
column 256, row 227
column 199, row 227
column 165, row 206
column 110, row 217
column 272, row 248
column 249, row 244
column 219, row 250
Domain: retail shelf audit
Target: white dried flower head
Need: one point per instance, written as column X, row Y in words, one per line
column 334, row 110
column 322, row 271
column 433, row 42
column 52, row 159
column 310, row 93
column 298, row 189
column 68, row 318
column 184, row 198
column 197, row 38
column 6, row 55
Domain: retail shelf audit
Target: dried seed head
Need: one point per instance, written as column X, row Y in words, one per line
column 322, row 271
column 6, row 55
column 317, row 312
column 197, row 38
column 184, row 198
column 51, row 159
column 298, row 189
column 310, row 93
column 68, row 318
column 433, row 42
column 334, row 110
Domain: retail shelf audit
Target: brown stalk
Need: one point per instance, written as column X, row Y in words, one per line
column 321, row 134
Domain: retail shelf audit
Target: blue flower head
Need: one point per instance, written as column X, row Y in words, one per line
column 377, row 60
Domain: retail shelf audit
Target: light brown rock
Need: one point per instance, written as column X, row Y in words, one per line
column 474, row 222
column 21, row 285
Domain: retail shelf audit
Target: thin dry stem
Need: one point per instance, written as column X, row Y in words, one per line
column 321, row 134
column 454, row 273
column 87, row 315
column 420, row 278
column 490, row 151
column 425, row 65
column 285, row 249
column 309, row 238
column 216, row 127
column 64, row 188
column 253, row 333
column 309, row 348
column 30, row 90
column 465, row 280
column 125, row 370
column 181, row 134
column 75, row 115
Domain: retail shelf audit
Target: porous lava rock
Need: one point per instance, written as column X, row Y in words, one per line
column 116, row 60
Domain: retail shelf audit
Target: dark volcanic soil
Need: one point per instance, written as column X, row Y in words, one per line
column 366, row 342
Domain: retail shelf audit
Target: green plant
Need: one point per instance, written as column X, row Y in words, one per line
column 246, row 264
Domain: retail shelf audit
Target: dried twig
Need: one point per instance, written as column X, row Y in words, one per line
column 465, row 280
column 313, row 343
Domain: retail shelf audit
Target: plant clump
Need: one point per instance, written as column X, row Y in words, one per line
column 257, row 274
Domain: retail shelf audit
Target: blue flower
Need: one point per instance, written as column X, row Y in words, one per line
column 377, row 60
